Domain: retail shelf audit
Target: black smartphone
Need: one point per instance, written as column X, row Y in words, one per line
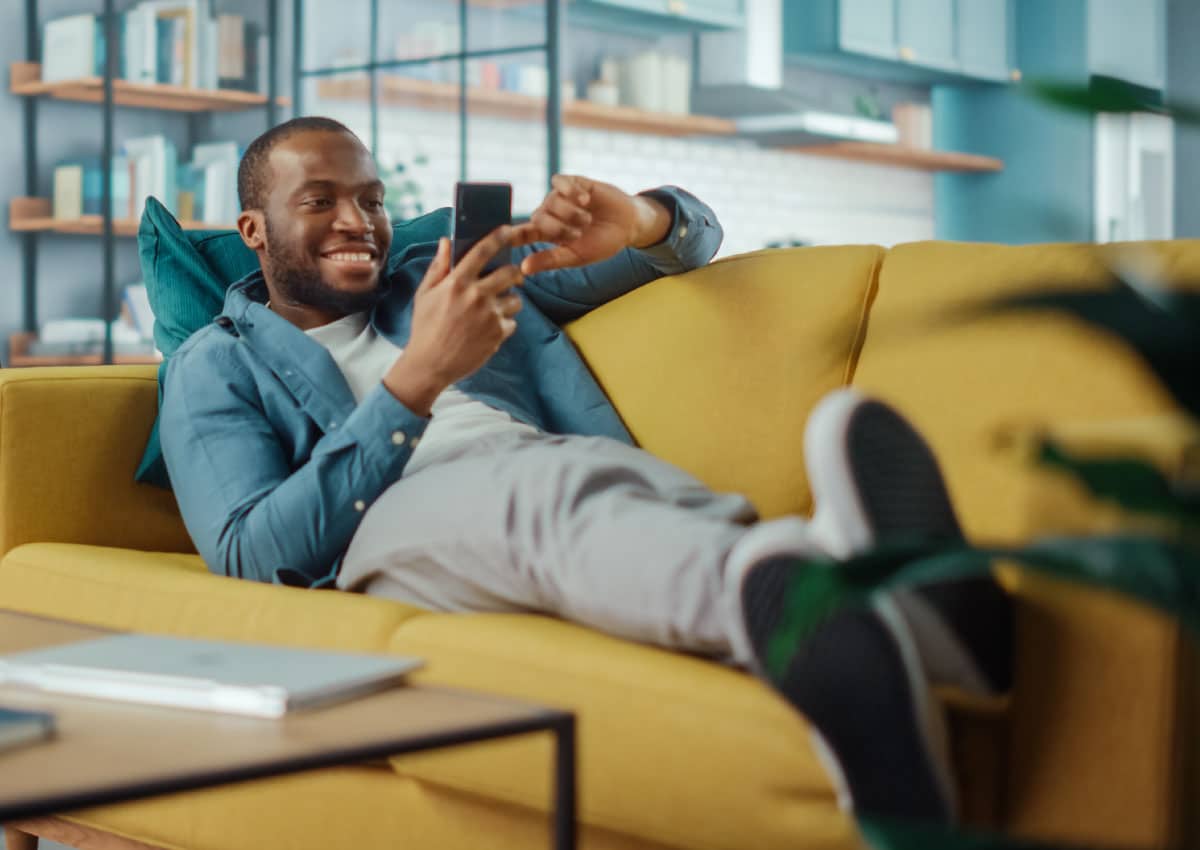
column 479, row 208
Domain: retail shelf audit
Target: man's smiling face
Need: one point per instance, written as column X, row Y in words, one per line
column 327, row 230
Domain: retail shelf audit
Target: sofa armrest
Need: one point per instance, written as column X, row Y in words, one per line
column 70, row 440
column 1103, row 736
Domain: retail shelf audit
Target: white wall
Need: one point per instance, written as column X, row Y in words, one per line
column 760, row 196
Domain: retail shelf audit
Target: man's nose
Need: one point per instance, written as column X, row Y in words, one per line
column 353, row 218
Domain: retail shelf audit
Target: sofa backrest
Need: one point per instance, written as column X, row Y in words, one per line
column 717, row 371
column 70, row 439
column 966, row 384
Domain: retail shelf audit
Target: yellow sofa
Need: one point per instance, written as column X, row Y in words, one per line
column 716, row 371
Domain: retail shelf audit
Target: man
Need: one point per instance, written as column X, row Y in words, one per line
column 428, row 434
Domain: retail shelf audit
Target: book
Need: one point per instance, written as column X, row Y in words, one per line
column 231, row 52
column 72, row 47
column 18, row 728
column 206, row 675
column 217, row 197
column 68, row 191
column 155, row 165
column 137, row 302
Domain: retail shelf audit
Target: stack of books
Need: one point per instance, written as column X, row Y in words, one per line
column 177, row 42
column 204, row 189
column 132, row 331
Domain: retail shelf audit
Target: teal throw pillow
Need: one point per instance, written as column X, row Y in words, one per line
column 186, row 274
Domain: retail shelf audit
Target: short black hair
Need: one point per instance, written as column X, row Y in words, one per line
column 252, row 170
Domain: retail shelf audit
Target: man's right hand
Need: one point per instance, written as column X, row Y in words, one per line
column 459, row 321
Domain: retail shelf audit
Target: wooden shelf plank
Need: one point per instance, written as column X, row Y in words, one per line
column 26, row 215
column 905, row 157
column 25, row 80
column 424, row 94
column 436, row 96
column 18, row 348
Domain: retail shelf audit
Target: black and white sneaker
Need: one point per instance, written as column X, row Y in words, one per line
column 875, row 481
column 876, row 728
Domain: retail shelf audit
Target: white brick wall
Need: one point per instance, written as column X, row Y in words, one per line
column 759, row 195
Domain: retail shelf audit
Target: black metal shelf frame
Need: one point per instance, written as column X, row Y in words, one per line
column 29, row 239
column 551, row 46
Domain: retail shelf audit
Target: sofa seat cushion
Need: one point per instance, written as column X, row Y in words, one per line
column 716, row 371
column 168, row 593
column 672, row 748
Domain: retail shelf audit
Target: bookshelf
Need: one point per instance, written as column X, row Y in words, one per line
column 25, row 80
column 30, row 214
column 18, row 355
column 33, row 215
column 424, row 94
column 495, row 103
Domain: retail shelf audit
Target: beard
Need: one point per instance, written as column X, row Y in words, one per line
column 299, row 281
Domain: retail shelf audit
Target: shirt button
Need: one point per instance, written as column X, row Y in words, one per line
column 360, row 506
column 332, row 425
column 682, row 231
column 398, row 438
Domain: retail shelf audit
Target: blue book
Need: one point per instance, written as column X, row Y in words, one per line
column 93, row 187
column 24, row 727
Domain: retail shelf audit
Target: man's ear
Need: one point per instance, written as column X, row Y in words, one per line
column 252, row 226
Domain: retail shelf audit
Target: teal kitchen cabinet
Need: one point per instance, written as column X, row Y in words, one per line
column 657, row 16
column 925, row 31
column 922, row 41
column 984, row 32
column 867, row 27
column 1127, row 39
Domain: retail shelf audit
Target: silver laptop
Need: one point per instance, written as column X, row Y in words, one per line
column 222, row 676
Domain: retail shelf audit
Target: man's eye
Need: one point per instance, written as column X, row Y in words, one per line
column 316, row 202
column 375, row 203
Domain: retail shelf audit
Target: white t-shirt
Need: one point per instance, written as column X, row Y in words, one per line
column 365, row 357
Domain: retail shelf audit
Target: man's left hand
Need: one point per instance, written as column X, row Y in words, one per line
column 589, row 221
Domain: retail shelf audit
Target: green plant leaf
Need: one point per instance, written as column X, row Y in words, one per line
column 1153, row 571
column 820, row 587
column 1109, row 94
column 1130, row 482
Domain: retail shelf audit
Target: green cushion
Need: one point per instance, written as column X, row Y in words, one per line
column 187, row 273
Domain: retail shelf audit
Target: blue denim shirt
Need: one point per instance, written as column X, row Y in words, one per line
column 273, row 463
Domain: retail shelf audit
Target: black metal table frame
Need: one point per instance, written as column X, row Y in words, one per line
column 560, row 723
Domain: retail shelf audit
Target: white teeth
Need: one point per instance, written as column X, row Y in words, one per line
column 345, row 257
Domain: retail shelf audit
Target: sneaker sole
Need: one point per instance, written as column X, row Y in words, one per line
column 879, row 733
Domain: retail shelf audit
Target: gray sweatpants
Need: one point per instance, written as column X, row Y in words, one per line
column 585, row 528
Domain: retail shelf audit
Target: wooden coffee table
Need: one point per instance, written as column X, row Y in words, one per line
column 100, row 755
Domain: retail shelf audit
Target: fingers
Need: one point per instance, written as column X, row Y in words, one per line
column 503, row 278
column 440, row 266
column 509, row 305
column 482, row 251
column 573, row 187
column 559, row 257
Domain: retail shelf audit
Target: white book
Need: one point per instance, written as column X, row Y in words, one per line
column 232, row 50
column 69, row 48
column 155, row 170
column 68, row 191
column 217, row 176
column 138, row 302
column 207, row 675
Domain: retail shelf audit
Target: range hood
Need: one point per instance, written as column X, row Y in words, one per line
column 740, row 76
